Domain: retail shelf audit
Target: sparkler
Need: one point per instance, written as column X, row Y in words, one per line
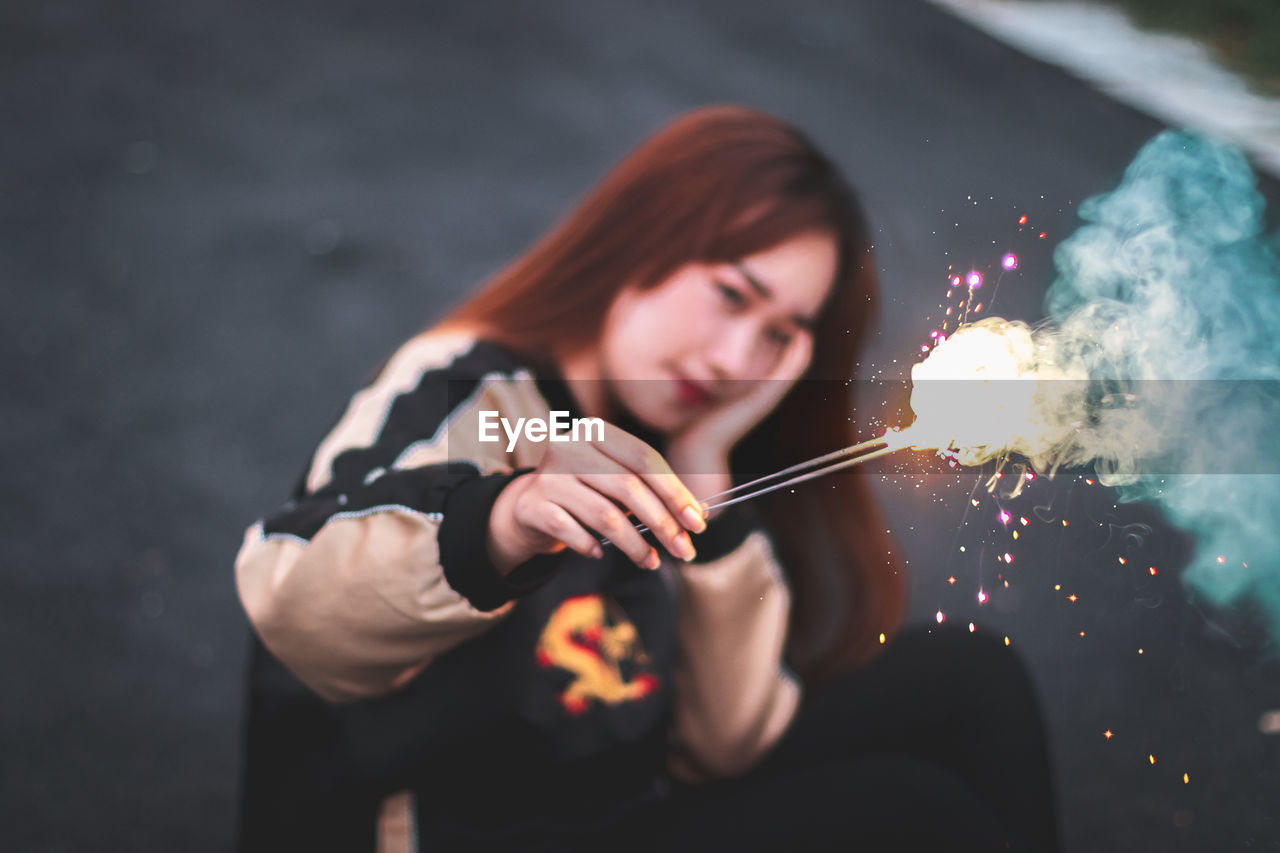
column 838, row 460
column 965, row 409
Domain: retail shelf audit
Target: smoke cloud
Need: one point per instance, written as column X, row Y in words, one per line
column 1159, row 364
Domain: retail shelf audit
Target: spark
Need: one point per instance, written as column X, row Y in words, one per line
column 951, row 580
column 1269, row 722
column 1151, row 758
column 982, row 597
column 1009, row 261
column 973, row 279
column 882, row 639
column 971, row 628
column 940, row 617
column 1072, row 598
column 1006, row 641
column 1107, row 734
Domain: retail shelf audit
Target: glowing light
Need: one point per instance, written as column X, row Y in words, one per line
column 1042, row 235
column 1082, row 633
column 955, row 281
column 1023, row 519
column 971, row 628
column 1022, row 220
column 1006, row 641
column 982, row 417
column 1072, row 598
column 882, row 639
column 1004, row 517
column 1009, row 262
column 1221, row 560
column 1151, row 758
column 1030, row 475
column 951, row 580
column 1121, row 559
column 1152, row 569
column 1008, row 558
column 1139, row 651
column 1107, row 734
column 973, row 279
column 982, row 597
column 940, row 617
column 1057, row 587
column 1186, row 778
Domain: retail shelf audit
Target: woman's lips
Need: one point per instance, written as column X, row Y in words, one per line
column 690, row 394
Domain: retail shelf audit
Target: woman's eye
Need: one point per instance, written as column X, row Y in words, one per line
column 733, row 297
column 779, row 337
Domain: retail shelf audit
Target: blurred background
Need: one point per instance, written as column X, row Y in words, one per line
column 218, row 219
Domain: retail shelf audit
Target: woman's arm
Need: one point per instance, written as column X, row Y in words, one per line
column 380, row 562
column 733, row 696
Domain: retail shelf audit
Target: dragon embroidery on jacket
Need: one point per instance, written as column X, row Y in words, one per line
column 591, row 640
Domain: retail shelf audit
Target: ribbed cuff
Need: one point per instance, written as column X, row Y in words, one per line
column 725, row 532
column 464, row 553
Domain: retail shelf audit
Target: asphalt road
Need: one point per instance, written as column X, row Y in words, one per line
column 216, row 220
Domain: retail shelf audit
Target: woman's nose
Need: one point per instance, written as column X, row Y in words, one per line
column 732, row 353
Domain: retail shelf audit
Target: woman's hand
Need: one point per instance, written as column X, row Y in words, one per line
column 585, row 484
column 701, row 450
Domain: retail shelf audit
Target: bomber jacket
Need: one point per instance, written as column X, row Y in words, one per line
column 398, row 679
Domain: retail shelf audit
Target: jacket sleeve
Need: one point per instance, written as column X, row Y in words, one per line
column 379, row 563
column 734, row 697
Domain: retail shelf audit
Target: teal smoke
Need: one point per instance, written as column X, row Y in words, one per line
column 1172, row 277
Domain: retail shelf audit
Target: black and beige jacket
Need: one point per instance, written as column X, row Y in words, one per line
column 397, row 679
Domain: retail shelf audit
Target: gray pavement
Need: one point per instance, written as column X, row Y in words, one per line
column 216, row 219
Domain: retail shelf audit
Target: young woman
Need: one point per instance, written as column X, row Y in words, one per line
column 447, row 656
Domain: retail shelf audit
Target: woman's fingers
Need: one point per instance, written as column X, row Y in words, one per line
column 634, row 493
column 560, row 524
column 591, row 508
column 647, row 464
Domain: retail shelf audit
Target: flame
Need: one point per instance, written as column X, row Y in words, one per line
column 990, row 389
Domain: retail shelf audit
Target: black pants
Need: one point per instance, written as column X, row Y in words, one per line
column 936, row 745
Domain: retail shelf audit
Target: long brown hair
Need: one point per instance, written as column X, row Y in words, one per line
column 718, row 184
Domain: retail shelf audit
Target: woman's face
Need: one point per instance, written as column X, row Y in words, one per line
column 674, row 351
